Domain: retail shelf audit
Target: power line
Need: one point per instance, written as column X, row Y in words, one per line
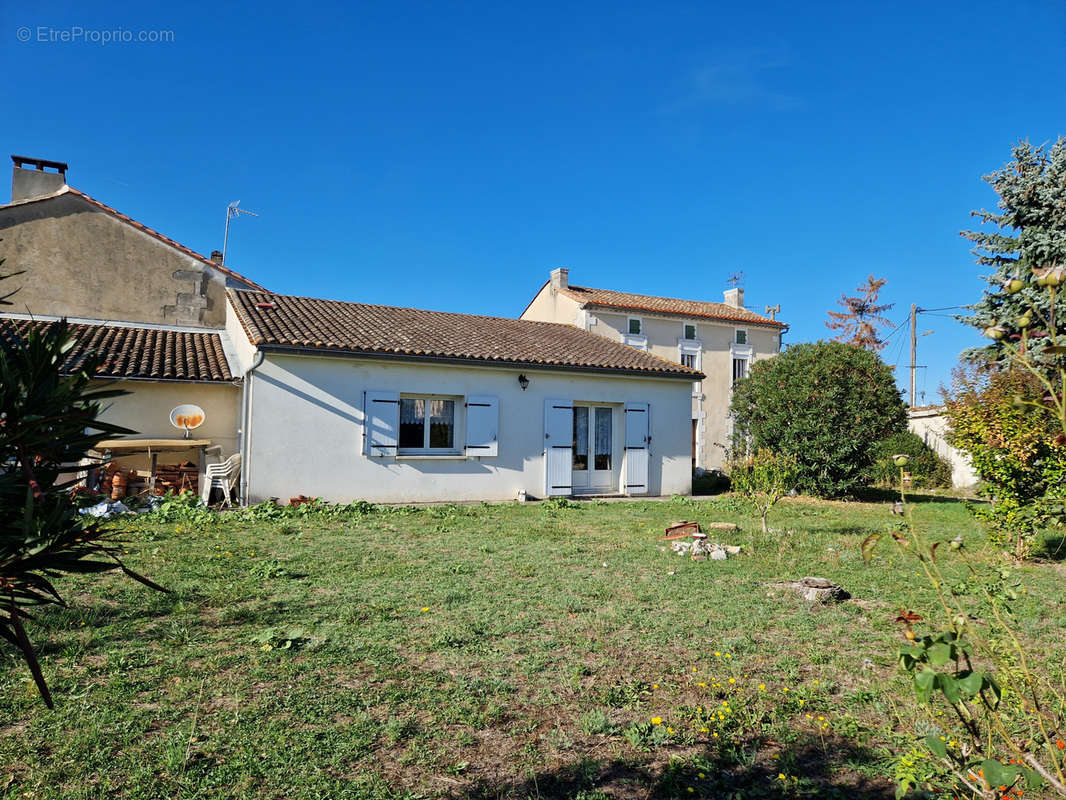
column 945, row 308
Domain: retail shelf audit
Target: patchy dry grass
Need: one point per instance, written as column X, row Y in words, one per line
column 482, row 652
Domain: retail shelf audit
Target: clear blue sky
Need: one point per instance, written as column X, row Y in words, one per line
column 448, row 155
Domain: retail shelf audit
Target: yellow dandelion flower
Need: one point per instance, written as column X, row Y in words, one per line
column 715, row 734
column 717, row 654
column 669, row 729
column 700, row 775
column 656, row 720
column 655, row 686
column 785, row 689
column 702, row 684
column 728, row 655
column 425, row 608
column 762, row 687
column 781, row 776
column 732, row 680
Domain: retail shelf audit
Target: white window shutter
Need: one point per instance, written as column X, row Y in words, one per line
column 381, row 423
column 637, row 441
column 482, row 425
column 558, row 446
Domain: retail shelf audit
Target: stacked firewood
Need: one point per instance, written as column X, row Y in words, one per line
column 183, row 477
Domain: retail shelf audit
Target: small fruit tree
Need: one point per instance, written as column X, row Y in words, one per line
column 764, row 478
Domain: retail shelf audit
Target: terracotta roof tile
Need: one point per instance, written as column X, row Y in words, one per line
column 300, row 322
column 145, row 353
column 606, row 298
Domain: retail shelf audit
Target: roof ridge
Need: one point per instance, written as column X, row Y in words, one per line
column 68, row 189
column 743, row 314
column 162, row 237
column 407, row 308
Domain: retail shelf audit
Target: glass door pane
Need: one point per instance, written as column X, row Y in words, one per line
column 603, row 439
column 581, row 438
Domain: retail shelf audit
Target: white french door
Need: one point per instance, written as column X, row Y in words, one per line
column 593, row 449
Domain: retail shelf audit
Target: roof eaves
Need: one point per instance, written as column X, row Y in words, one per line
column 272, row 347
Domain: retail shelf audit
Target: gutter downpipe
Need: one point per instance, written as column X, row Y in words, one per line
column 246, row 432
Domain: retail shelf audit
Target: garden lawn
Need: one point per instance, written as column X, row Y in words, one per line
column 485, row 651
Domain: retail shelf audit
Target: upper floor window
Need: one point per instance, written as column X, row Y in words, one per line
column 688, row 360
column 636, row 326
column 427, row 423
column 689, row 331
column 740, row 369
column 741, row 336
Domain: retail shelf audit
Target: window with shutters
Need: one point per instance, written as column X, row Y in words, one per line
column 636, row 326
column 427, row 424
column 741, row 336
column 688, row 331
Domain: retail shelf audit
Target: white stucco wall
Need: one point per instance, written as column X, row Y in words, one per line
column 306, row 429
column 930, row 423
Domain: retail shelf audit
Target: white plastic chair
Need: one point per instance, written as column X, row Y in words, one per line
column 222, row 475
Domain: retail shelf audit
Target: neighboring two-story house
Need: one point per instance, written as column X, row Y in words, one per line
column 720, row 340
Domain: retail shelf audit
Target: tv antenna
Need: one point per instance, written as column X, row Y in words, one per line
column 735, row 279
column 233, row 210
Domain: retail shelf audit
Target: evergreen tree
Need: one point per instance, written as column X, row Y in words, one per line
column 1029, row 240
column 860, row 322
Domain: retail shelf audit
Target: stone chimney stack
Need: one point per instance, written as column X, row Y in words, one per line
column 734, row 297
column 30, row 178
column 216, row 256
column 560, row 278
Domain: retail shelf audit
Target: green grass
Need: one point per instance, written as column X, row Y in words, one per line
column 489, row 651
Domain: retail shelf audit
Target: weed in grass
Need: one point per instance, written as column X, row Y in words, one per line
column 597, row 723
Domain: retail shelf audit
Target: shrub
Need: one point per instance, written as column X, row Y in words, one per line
column 825, row 404
column 927, row 469
column 1016, row 448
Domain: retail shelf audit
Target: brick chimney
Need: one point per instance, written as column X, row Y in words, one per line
column 31, row 178
column 734, row 297
column 560, row 278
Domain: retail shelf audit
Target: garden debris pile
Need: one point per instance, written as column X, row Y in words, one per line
column 698, row 548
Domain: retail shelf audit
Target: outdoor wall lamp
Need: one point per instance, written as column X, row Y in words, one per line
column 523, row 381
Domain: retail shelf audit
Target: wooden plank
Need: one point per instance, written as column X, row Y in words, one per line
column 151, row 444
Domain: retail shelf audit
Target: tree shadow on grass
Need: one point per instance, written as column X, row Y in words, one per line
column 1053, row 547
column 811, row 767
column 876, row 494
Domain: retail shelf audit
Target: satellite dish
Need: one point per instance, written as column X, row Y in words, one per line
column 186, row 417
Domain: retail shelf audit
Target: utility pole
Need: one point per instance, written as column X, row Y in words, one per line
column 914, row 346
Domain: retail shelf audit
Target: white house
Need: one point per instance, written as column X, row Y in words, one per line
column 348, row 401
column 930, row 423
column 721, row 340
